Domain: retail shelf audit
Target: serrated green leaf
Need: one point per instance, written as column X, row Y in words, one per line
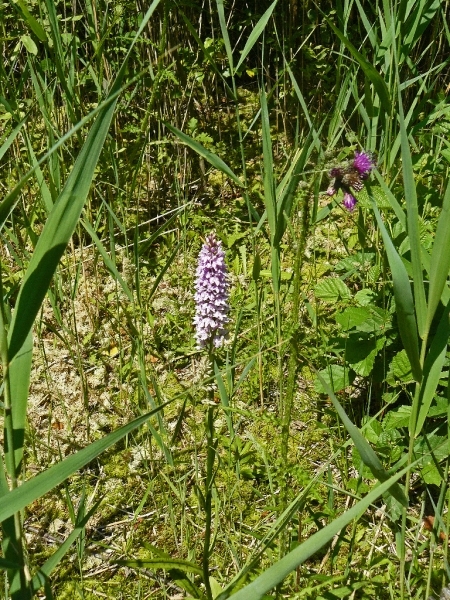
column 361, row 353
column 353, row 316
column 332, row 289
column 401, row 367
column 336, row 376
column 398, row 418
column 365, row 297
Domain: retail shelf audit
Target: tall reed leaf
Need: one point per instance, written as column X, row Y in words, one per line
column 369, row 71
column 440, row 259
column 269, row 179
column 432, row 370
column 63, row 218
column 404, row 302
column 226, row 37
column 412, row 216
column 253, row 37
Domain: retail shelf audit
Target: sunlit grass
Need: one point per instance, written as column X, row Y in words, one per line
column 283, row 463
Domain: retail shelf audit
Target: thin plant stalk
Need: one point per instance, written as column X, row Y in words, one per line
column 13, row 548
column 209, row 481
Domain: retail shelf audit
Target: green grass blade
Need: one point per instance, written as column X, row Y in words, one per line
column 167, row 264
column 226, row 37
column 11, row 137
column 368, row 455
column 432, row 370
column 51, row 563
column 17, row 499
column 12, row 197
column 107, row 260
column 369, row 71
column 59, row 57
column 56, row 233
column 147, row 244
column 404, row 301
column 399, row 213
column 412, row 216
column 19, row 381
column 286, row 189
column 277, row 572
column 64, row 216
column 440, row 259
column 212, row 158
column 205, row 51
column 7, row 564
column 257, row 31
column 33, row 24
column 269, row 180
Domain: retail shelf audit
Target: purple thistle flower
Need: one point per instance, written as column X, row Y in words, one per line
column 211, row 294
column 363, row 163
column 349, row 201
column 336, row 172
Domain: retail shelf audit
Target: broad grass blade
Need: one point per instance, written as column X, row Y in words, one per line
column 257, row 31
column 399, row 213
column 412, row 216
column 369, row 71
column 404, row 302
column 33, row 24
column 440, row 259
column 277, row 572
column 368, row 455
column 432, row 370
column 19, row 381
column 56, row 233
column 212, row 158
column 17, row 499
